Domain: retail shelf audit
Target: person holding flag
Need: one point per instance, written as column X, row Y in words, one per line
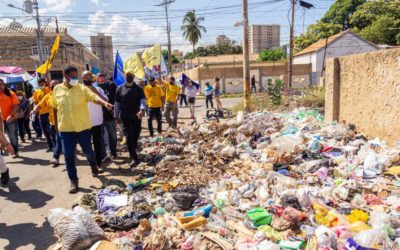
column 155, row 101
column 171, row 107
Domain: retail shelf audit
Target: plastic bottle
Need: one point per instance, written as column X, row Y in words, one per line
column 203, row 211
column 232, row 213
column 139, row 183
column 219, row 229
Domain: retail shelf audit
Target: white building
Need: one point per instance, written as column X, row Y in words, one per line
column 341, row 44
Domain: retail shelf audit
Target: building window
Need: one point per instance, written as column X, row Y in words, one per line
column 35, row 50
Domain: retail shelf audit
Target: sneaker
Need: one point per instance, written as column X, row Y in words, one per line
column 74, row 187
column 5, row 177
column 15, row 156
column 133, row 163
column 100, row 169
column 106, row 159
column 95, row 171
column 55, row 162
column 49, row 150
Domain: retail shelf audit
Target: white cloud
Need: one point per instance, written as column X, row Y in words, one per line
column 129, row 34
column 57, row 5
column 95, row 1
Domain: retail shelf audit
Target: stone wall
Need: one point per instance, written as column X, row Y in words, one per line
column 364, row 90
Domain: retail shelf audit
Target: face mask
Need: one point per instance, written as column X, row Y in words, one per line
column 88, row 82
column 74, row 81
column 129, row 79
column 20, row 98
column 42, row 87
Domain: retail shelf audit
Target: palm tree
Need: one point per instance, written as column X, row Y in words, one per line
column 192, row 30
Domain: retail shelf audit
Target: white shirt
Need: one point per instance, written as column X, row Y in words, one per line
column 96, row 111
column 191, row 91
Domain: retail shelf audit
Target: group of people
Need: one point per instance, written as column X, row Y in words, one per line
column 89, row 112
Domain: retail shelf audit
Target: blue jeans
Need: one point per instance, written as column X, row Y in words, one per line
column 12, row 131
column 69, row 141
column 55, row 136
column 36, row 126
column 110, row 132
column 45, row 124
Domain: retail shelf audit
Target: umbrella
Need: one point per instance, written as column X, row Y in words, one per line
column 10, row 74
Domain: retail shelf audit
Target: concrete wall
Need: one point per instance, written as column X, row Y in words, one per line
column 364, row 89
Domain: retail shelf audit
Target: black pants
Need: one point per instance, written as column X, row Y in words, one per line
column 183, row 99
column 132, row 129
column 209, row 99
column 23, row 127
column 155, row 113
column 97, row 140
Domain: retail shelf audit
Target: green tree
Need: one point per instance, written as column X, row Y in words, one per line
column 271, row 55
column 381, row 31
column 164, row 53
column 341, row 12
column 314, row 33
column 192, row 28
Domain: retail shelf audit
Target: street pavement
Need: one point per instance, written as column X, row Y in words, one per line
column 36, row 187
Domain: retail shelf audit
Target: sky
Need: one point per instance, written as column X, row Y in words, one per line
column 135, row 24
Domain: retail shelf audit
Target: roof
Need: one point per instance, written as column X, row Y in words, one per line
column 326, row 42
column 28, row 30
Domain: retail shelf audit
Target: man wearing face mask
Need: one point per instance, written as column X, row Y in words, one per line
column 96, row 118
column 155, row 100
column 70, row 100
column 38, row 95
column 130, row 104
column 109, row 127
column 172, row 97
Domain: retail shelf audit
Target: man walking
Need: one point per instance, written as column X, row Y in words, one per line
column 4, row 145
column 130, row 104
column 96, row 119
column 9, row 104
column 155, row 100
column 171, row 107
column 109, row 127
column 70, row 99
column 253, row 85
column 38, row 95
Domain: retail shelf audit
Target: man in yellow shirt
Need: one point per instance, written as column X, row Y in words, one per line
column 55, row 136
column 155, row 101
column 38, row 95
column 172, row 97
column 70, row 100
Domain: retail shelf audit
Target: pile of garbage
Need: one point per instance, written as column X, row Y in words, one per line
column 260, row 181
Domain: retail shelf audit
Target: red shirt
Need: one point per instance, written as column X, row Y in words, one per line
column 7, row 104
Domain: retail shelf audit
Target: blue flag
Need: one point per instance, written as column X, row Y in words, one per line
column 119, row 77
column 186, row 79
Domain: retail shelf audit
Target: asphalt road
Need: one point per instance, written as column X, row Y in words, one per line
column 36, row 187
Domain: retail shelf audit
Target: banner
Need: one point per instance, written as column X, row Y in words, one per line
column 186, row 79
column 134, row 66
column 119, row 76
column 152, row 56
column 47, row 65
column 155, row 71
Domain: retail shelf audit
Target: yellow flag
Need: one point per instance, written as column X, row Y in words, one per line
column 152, row 56
column 134, row 66
column 47, row 65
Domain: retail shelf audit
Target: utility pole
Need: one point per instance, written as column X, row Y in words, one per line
column 35, row 6
column 290, row 69
column 165, row 4
column 246, row 66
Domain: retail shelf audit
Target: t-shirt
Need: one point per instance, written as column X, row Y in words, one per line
column 153, row 95
column 109, row 90
column 172, row 91
column 129, row 101
column 72, row 109
column 96, row 110
column 191, row 91
column 47, row 102
column 7, row 104
column 38, row 95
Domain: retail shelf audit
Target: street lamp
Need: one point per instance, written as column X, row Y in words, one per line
column 35, row 6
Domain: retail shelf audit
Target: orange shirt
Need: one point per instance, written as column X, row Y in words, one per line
column 7, row 104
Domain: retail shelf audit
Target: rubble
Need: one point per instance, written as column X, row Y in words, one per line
column 260, row 181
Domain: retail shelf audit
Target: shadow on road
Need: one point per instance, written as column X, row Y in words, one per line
column 34, row 198
column 25, row 234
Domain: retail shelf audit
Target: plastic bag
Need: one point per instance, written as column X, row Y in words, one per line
column 373, row 238
column 379, row 219
column 76, row 229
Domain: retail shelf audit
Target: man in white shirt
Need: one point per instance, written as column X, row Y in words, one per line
column 96, row 118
